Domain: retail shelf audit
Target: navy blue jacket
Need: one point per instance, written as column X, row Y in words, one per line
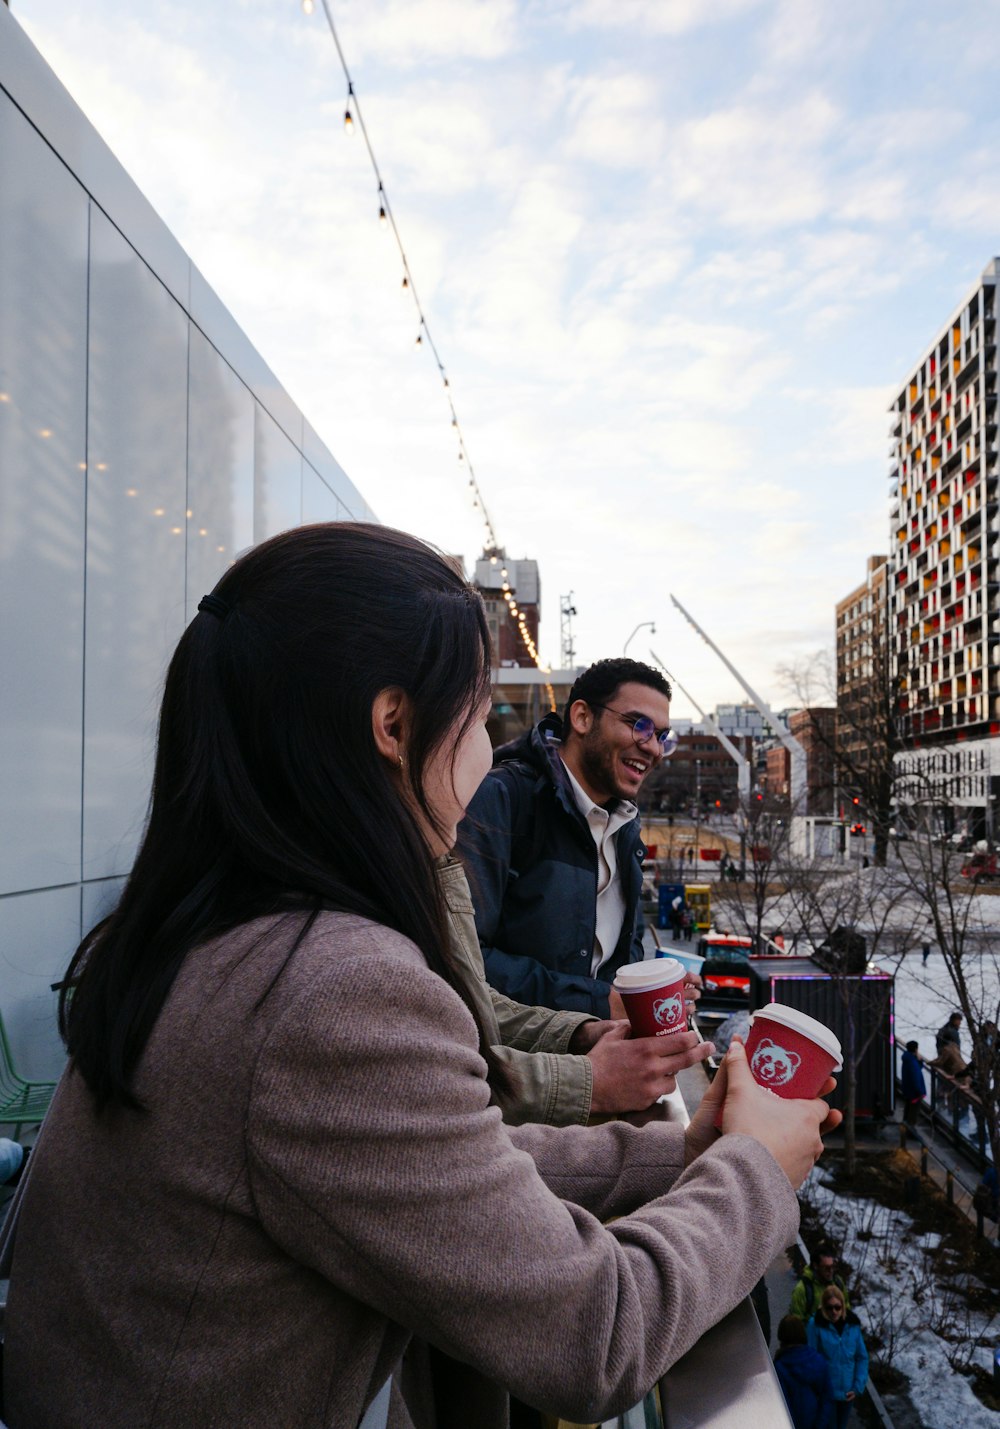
column 912, row 1078
column 805, row 1383
column 532, row 866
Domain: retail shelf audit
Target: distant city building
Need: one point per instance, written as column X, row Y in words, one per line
column 864, row 667
column 744, row 720
column 523, row 582
column 944, row 604
column 700, row 771
column 815, row 728
column 776, row 778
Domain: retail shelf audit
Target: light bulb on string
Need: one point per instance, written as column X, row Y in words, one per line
column 348, row 118
column 406, row 282
column 308, row 6
column 383, row 221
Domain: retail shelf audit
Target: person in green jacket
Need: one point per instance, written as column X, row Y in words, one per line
column 817, row 1277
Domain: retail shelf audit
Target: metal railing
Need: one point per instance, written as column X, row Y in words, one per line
column 726, row 1380
column 955, row 1110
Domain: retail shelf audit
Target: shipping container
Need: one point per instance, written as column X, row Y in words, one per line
column 802, row 983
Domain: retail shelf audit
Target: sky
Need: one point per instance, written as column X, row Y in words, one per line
column 677, row 256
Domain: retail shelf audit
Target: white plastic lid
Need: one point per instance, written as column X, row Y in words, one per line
column 807, row 1026
column 654, row 972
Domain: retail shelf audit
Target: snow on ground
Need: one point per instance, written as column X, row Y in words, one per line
column 925, row 996
column 891, row 1263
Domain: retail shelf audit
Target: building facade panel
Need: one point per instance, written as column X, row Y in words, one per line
column 220, row 469
column 277, row 479
column 43, row 340
column 38, row 932
column 136, row 495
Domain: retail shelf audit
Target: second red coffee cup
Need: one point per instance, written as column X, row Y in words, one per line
column 653, row 994
column 791, row 1053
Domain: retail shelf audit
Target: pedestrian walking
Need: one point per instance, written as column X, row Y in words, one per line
column 914, row 1082
column 804, row 1377
column 836, row 1332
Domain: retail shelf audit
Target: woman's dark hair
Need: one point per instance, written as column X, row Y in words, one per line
column 599, row 682
column 269, row 793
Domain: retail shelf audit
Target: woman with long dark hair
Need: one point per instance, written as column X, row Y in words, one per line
column 274, row 1176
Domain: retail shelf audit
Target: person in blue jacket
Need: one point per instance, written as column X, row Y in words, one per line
column 551, row 841
column 913, row 1084
column 804, row 1377
column 836, row 1332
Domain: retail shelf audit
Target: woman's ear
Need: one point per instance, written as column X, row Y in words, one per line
column 391, row 723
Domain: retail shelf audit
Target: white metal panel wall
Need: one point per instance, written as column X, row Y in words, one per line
column 136, row 494
column 140, row 432
column 43, row 339
column 219, row 469
column 277, row 479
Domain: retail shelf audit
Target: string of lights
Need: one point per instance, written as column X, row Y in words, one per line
column 424, row 339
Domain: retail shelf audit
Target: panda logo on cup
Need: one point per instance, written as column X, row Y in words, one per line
column 668, row 1011
column 773, row 1065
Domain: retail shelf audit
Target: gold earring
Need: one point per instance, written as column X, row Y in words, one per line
column 402, row 764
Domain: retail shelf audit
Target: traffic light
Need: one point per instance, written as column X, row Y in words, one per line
column 718, row 803
column 855, row 800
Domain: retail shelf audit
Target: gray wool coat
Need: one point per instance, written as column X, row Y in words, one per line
column 320, row 1179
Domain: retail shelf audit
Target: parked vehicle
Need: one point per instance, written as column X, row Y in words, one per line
column 858, row 829
column 725, row 975
column 982, row 867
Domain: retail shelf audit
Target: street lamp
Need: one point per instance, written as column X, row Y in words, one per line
column 641, row 626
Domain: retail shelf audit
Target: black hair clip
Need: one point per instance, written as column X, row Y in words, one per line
column 214, row 605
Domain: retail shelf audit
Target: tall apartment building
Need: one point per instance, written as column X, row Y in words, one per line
column 863, row 667
column 944, row 605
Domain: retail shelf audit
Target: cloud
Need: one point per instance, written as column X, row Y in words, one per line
column 616, row 121
column 406, row 34
column 655, row 17
column 755, row 167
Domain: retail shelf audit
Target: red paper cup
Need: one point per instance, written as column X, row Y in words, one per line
column 789, row 1053
column 653, row 994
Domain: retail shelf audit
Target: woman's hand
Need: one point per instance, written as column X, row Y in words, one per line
column 790, row 1130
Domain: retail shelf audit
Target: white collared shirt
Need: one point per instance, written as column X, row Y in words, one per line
column 604, row 825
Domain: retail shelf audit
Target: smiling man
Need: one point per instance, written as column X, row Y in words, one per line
column 551, row 841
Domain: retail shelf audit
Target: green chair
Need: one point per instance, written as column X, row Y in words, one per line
column 22, row 1103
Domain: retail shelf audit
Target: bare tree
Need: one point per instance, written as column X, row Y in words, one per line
column 745, row 904
column 869, row 729
column 951, row 905
column 851, row 918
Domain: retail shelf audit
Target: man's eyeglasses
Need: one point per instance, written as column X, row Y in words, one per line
column 643, row 729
